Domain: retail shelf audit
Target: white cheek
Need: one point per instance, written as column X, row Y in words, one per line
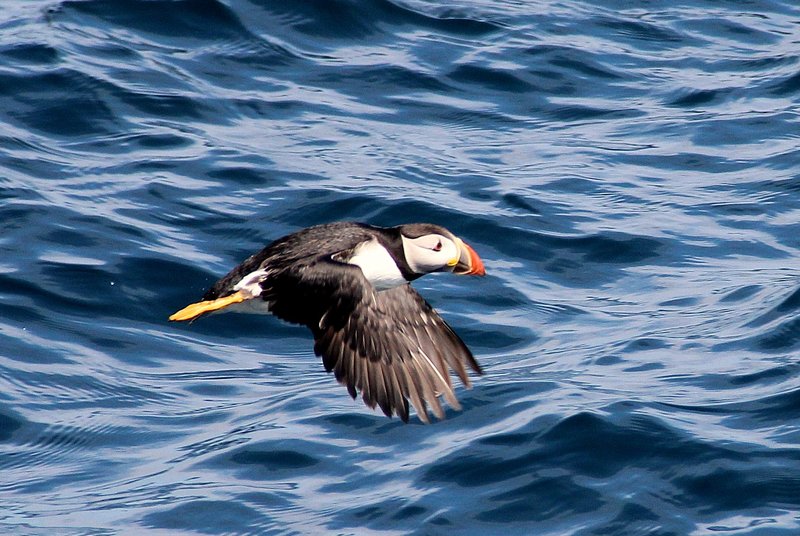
column 423, row 260
column 450, row 251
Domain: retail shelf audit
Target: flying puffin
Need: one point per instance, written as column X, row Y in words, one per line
column 349, row 284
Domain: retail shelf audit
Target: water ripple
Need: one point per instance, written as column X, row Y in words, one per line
column 629, row 174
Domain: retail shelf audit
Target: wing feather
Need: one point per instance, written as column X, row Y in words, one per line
column 412, row 391
column 398, row 350
column 390, row 345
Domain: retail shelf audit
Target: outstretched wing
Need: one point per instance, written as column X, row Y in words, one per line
column 389, row 345
column 394, row 348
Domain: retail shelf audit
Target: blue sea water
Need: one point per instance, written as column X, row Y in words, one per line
column 629, row 172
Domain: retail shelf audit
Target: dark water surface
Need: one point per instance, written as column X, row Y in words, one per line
column 630, row 175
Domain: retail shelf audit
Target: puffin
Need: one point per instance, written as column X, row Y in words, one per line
column 349, row 283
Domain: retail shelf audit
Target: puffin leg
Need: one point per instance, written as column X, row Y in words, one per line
column 190, row 312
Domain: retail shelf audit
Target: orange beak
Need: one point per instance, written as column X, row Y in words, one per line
column 468, row 262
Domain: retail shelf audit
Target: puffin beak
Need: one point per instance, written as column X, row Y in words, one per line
column 190, row 312
column 468, row 262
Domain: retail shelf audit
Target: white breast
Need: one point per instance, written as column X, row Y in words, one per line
column 377, row 265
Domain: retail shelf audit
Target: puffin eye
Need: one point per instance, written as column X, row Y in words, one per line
column 438, row 246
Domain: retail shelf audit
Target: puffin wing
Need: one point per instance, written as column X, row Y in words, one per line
column 392, row 347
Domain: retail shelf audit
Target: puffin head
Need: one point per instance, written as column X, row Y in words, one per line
column 431, row 248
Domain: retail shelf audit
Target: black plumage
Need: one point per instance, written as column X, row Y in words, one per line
column 389, row 345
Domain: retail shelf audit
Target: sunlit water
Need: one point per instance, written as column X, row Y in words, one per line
column 630, row 176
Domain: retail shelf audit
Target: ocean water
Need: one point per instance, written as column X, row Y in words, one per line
column 629, row 172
